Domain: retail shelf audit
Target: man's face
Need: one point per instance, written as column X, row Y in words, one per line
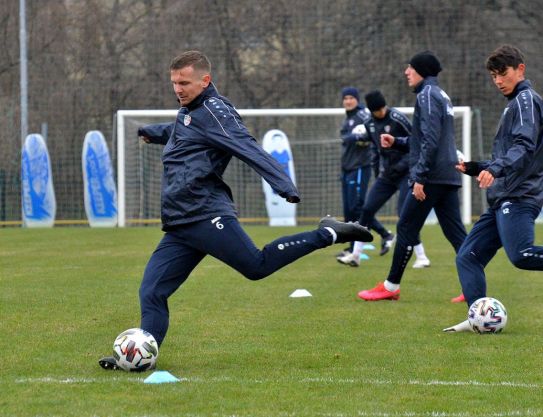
column 188, row 83
column 379, row 114
column 507, row 81
column 413, row 77
column 349, row 103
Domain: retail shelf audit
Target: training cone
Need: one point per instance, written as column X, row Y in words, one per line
column 300, row 293
column 160, row 377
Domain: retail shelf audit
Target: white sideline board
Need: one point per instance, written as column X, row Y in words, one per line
column 280, row 212
column 39, row 205
column 100, row 192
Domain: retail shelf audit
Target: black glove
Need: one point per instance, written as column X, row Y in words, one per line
column 293, row 199
column 473, row 168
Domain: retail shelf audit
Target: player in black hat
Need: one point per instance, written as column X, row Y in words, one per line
column 392, row 177
column 433, row 179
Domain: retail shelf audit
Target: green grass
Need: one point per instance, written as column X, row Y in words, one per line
column 245, row 348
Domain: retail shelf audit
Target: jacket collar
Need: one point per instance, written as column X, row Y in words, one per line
column 426, row 81
column 352, row 112
column 210, row 91
column 523, row 85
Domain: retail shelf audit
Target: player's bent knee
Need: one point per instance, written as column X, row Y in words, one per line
column 255, row 275
column 464, row 257
column 521, row 260
column 150, row 298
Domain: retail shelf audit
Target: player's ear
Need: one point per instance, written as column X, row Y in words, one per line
column 206, row 79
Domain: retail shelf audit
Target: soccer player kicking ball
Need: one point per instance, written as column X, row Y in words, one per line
column 513, row 179
column 433, row 178
column 197, row 211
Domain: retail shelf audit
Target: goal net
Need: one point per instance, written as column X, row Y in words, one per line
column 316, row 148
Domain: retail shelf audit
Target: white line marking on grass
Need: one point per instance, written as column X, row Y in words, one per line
column 325, row 380
column 73, row 380
column 319, row 380
column 477, row 383
column 423, row 383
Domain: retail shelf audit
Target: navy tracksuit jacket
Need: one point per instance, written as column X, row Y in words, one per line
column 197, row 210
column 515, row 198
column 393, row 164
column 358, row 154
column 432, row 160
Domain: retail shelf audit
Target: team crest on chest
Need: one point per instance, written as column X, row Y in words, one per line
column 387, row 128
column 186, row 120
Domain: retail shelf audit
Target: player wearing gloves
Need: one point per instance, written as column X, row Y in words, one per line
column 358, row 154
column 197, row 211
column 513, row 179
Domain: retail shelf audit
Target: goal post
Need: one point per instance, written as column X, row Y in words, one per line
column 316, row 147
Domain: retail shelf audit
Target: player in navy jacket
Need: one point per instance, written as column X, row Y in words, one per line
column 393, row 174
column 513, row 179
column 198, row 213
column 358, row 154
column 432, row 174
column 207, row 133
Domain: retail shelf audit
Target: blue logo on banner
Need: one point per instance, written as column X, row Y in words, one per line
column 100, row 191
column 38, row 196
column 283, row 158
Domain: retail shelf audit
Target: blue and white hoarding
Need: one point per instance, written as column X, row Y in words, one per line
column 280, row 212
column 39, row 205
column 100, row 192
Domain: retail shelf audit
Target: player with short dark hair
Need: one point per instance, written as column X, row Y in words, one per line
column 392, row 177
column 197, row 210
column 513, row 179
column 433, row 178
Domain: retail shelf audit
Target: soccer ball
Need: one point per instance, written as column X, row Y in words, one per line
column 460, row 156
column 359, row 130
column 487, row 315
column 135, row 350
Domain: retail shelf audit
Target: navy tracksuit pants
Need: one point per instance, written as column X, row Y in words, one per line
column 444, row 200
column 180, row 250
column 511, row 226
column 354, row 189
column 381, row 191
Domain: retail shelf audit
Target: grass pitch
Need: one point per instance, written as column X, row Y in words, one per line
column 245, row 348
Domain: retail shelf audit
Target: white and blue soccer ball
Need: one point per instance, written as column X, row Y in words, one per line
column 359, row 130
column 487, row 315
column 135, row 350
column 460, row 156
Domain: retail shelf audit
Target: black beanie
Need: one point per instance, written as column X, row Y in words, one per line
column 426, row 64
column 350, row 91
column 375, row 100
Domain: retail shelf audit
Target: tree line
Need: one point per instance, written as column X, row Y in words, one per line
column 89, row 59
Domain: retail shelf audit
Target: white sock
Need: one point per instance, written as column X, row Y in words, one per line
column 419, row 251
column 333, row 233
column 390, row 286
column 358, row 248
